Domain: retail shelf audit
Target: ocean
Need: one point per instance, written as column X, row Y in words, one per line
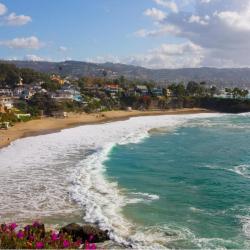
column 177, row 181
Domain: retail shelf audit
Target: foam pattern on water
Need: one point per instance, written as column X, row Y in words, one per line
column 63, row 172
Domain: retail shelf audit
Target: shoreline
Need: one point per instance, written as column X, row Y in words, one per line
column 52, row 125
column 87, row 185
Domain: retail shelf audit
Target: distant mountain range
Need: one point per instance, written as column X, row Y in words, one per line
column 220, row 77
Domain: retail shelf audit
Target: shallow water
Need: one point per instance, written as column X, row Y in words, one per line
column 200, row 173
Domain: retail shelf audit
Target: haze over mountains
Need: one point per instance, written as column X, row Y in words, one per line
column 220, row 77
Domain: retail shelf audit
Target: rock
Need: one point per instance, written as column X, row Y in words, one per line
column 74, row 230
column 98, row 234
column 171, row 234
column 85, row 232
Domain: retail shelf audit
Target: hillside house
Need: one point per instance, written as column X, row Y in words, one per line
column 63, row 95
column 6, row 92
column 27, row 94
column 157, row 91
column 57, row 79
column 169, row 93
column 142, row 90
column 112, row 88
column 18, row 91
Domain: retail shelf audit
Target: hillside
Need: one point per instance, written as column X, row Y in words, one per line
column 221, row 77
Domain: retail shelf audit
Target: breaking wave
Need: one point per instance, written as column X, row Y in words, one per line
column 62, row 173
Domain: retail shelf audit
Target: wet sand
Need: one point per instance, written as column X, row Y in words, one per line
column 51, row 125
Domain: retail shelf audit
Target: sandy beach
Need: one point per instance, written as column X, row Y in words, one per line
column 50, row 125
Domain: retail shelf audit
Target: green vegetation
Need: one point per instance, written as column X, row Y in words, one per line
column 43, row 94
column 10, row 75
column 237, row 93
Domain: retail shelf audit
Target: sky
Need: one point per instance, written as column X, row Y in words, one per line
column 148, row 33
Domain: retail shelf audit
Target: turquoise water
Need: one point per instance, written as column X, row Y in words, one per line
column 201, row 173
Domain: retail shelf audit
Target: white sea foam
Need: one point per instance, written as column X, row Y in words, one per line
column 243, row 170
column 141, row 198
column 39, row 176
column 196, row 210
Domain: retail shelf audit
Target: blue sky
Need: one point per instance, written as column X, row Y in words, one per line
column 150, row 33
column 87, row 28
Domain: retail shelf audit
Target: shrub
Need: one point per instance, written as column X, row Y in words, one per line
column 34, row 236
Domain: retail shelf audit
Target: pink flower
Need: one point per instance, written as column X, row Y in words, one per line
column 39, row 245
column 66, row 244
column 78, row 243
column 54, row 236
column 20, row 235
column 93, row 246
column 36, row 224
column 12, row 226
column 31, row 238
column 91, row 237
column 86, row 245
column 90, row 246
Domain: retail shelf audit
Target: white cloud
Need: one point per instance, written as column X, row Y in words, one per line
column 107, row 58
column 168, row 4
column 155, row 14
column 3, row 9
column 237, row 20
column 162, row 30
column 34, row 58
column 23, row 43
column 170, row 56
column 63, row 49
column 221, row 28
column 205, row 1
column 198, row 20
column 17, row 20
column 166, row 56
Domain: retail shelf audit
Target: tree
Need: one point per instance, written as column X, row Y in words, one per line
column 43, row 102
column 213, row 91
column 51, row 86
column 145, row 101
column 180, row 90
column 193, row 88
column 30, row 76
column 236, row 92
column 244, row 93
column 9, row 75
column 228, row 92
column 104, row 73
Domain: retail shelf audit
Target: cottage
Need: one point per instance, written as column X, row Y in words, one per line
column 169, row 93
column 27, row 94
column 61, row 95
column 157, row 91
column 18, row 91
column 74, row 90
column 142, row 90
column 112, row 88
column 6, row 92
column 57, row 79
